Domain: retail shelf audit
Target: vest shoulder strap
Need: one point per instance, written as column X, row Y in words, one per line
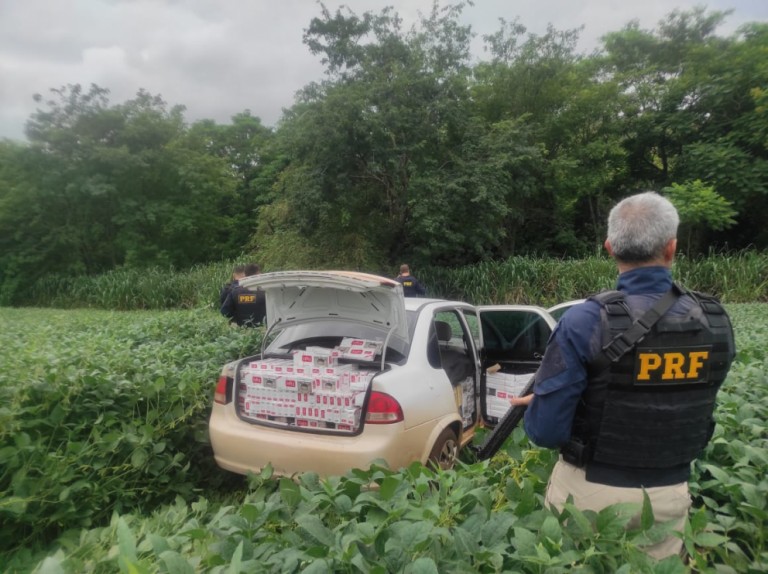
column 624, row 342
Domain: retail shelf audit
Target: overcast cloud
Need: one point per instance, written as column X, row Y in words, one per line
column 221, row 57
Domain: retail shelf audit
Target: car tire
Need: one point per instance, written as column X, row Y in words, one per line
column 445, row 451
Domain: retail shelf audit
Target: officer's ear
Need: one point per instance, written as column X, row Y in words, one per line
column 669, row 251
column 608, row 248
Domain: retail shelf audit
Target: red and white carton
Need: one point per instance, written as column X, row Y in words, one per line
column 262, row 364
column 305, row 384
column 497, row 407
column 510, row 384
column 360, row 349
column 281, row 366
column 271, row 381
column 350, row 416
column 287, row 383
column 359, row 380
column 337, row 383
column 314, row 358
column 333, row 415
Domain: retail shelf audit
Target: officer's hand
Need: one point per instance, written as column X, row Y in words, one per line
column 517, row 401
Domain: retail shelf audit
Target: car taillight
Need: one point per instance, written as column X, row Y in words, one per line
column 220, row 396
column 383, row 410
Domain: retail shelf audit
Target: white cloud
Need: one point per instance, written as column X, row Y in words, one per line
column 219, row 58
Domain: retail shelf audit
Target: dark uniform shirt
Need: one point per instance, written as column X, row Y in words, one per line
column 411, row 286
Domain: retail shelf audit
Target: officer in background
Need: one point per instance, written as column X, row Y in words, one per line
column 411, row 286
column 632, row 417
column 245, row 307
column 237, row 273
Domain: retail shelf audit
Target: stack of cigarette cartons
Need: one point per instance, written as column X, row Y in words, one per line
column 500, row 387
column 312, row 390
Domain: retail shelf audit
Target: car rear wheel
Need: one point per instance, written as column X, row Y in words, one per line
column 445, row 450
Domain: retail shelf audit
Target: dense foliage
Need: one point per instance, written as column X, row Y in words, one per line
column 409, row 150
column 105, row 468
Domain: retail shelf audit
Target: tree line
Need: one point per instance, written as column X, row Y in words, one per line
column 408, row 150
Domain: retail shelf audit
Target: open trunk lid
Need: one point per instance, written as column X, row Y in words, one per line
column 299, row 296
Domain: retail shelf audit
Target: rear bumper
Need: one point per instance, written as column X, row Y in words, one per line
column 240, row 447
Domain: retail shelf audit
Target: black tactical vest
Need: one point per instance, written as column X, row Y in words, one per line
column 651, row 409
column 250, row 306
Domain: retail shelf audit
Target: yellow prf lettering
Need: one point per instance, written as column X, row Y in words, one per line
column 247, row 298
column 697, row 362
column 673, row 364
column 648, row 362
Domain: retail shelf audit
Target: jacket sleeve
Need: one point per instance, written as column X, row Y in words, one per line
column 562, row 377
column 228, row 307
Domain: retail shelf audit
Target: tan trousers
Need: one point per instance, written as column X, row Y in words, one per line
column 668, row 502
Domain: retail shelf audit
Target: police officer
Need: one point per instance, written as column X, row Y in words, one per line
column 411, row 286
column 630, row 404
column 237, row 273
column 245, row 307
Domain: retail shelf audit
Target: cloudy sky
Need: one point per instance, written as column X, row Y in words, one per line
column 221, row 57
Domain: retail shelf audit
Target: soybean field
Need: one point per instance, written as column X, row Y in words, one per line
column 105, row 466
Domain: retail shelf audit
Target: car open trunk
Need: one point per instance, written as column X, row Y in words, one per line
column 330, row 333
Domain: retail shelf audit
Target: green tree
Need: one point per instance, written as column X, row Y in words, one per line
column 101, row 186
column 573, row 116
column 377, row 141
column 247, row 148
column 691, row 110
column 700, row 207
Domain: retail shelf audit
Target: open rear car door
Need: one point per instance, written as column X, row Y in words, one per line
column 514, row 338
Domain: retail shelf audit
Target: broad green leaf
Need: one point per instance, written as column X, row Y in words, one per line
column 126, row 540
column 524, row 541
column 175, row 563
column 317, row 567
column 551, row 529
column 289, row 492
column 237, row 559
column 422, row 565
column 139, row 458
column 343, row 503
column 250, row 512
column 580, row 520
column 51, row 565
column 314, row 527
column 389, row 486
column 158, row 543
column 646, row 516
column 709, row 539
column 718, row 473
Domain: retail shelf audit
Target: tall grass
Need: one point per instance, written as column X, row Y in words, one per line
column 735, row 278
column 740, row 277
